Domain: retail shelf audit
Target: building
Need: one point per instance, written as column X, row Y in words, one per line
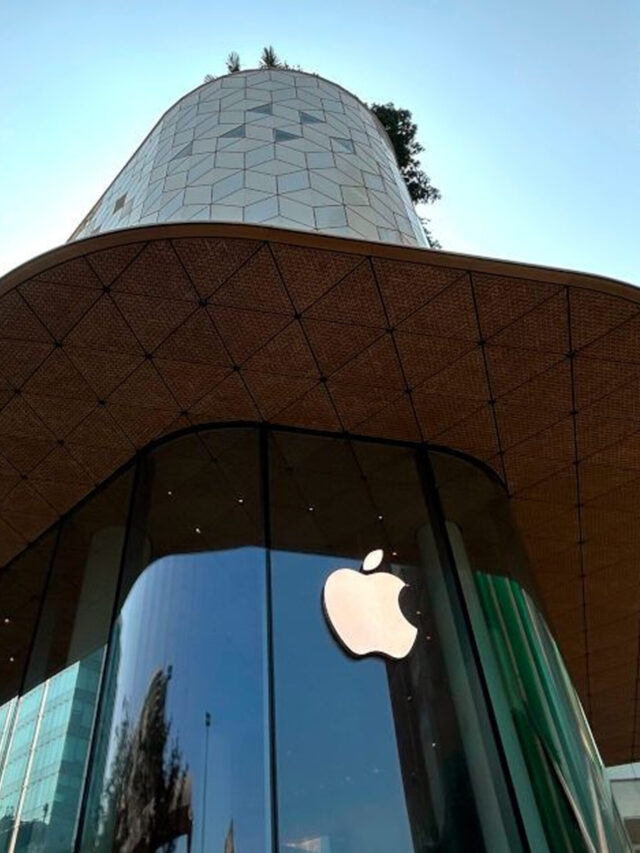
column 245, row 371
column 45, row 738
column 625, row 782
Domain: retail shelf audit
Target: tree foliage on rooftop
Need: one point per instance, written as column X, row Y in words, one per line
column 402, row 132
column 269, row 58
column 233, row 62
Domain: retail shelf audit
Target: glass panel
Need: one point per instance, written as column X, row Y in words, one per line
column 45, row 762
column 80, row 595
column 181, row 759
column 15, row 771
column 559, row 778
column 371, row 752
column 22, row 585
column 474, row 499
column 340, row 780
column 197, row 493
column 625, row 786
column 57, row 602
column 568, row 777
column 574, row 756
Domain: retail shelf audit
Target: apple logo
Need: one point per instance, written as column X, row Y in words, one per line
column 363, row 610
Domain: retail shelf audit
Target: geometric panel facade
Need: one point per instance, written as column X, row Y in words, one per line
column 270, row 147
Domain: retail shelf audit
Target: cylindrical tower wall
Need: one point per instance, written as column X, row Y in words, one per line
column 270, row 147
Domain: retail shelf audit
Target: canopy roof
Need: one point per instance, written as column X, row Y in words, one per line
column 110, row 342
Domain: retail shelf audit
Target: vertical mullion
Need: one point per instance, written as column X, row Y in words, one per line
column 273, row 755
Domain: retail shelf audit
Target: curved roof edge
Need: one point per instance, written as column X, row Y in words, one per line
column 477, row 263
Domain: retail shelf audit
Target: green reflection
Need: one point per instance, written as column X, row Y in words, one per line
column 44, row 740
column 567, row 775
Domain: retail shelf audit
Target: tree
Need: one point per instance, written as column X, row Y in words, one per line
column 147, row 799
column 233, row 62
column 433, row 242
column 269, row 58
column 402, row 132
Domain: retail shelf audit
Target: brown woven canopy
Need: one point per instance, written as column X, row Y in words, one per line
column 111, row 342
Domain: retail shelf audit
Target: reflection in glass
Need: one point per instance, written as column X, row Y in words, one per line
column 198, row 493
column 23, row 584
column 563, row 793
column 567, row 774
column 181, row 761
column 221, row 663
column 80, row 595
column 339, row 776
column 148, row 801
column 372, row 755
column 42, row 765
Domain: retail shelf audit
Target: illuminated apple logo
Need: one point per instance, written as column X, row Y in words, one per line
column 363, row 610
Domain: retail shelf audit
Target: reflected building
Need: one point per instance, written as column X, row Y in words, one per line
column 625, row 782
column 47, row 734
column 244, row 372
column 229, row 845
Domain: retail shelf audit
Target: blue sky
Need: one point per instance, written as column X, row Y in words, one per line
column 528, row 110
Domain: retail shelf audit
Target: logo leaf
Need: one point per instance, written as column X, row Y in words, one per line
column 372, row 560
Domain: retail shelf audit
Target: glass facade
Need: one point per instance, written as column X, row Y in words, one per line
column 45, row 742
column 178, row 687
column 625, row 783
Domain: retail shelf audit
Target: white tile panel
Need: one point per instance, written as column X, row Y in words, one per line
column 227, row 186
column 297, row 211
column 206, row 107
column 226, row 213
column 330, row 216
column 276, row 167
column 244, row 197
column 176, row 182
column 290, row 155
column 170, row 205
column 198, row 195
column 229, row 160
column 259, row 155
column 354, row 196
column 262, row 210
column 260, row 181
column 327, row 188
column 320, row 160
column 189, row 212
column 205, row 165
column 311, row 197
column 293, row 181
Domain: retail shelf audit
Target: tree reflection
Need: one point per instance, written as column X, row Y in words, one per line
column 147, row 803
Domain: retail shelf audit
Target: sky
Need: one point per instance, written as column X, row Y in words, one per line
column 528, row 110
